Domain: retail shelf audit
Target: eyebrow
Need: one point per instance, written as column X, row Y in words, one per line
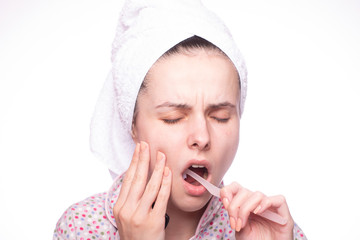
column 186, row 106
column 221, row 105
column 173, row 105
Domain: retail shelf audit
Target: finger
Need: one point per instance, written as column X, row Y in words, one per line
column 129, row 175
column 276, row 204
column 140, row 177
column 235, row 204
column 227, row 193
column 164, row 193
column 153, row 186
column 250, row 205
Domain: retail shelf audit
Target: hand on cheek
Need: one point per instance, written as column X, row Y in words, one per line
column 244, row 206
column 135, row 215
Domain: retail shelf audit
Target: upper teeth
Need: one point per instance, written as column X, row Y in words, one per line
column 197, row 166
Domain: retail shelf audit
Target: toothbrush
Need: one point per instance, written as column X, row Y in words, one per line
column 216, row 192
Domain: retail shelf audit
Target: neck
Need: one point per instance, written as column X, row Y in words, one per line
column 182, row 225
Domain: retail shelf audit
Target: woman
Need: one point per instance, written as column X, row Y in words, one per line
column 174, row 102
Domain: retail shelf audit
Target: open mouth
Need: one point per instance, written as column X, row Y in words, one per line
column 199, row 170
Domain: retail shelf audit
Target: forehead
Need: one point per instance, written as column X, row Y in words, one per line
column 199, row 72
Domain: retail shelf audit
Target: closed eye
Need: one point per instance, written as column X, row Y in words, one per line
column 221, row 120
column 171, row 121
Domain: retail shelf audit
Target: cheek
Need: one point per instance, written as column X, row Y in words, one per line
column 233, row 137
column 170, row 143
column 160, row 138
column 226, row 143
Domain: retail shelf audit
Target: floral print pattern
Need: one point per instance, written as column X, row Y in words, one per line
column 93, row 218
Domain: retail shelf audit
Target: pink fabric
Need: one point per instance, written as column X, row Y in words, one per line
column 93, row 218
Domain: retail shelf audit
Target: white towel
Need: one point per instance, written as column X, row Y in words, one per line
column 147, row 29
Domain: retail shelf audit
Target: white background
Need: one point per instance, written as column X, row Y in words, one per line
column 300, row 133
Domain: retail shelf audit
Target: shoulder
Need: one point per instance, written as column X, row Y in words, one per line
column 87, row 218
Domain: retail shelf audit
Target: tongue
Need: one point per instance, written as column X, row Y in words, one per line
column 191, row 180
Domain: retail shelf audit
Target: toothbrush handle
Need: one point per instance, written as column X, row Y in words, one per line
column 214, row 190
column 273, row 217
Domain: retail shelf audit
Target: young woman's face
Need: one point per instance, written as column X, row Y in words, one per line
column 190, row 111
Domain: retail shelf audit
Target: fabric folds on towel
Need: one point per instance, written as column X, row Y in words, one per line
column 146, row 30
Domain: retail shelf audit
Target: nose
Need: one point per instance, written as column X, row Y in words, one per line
column 199, row 136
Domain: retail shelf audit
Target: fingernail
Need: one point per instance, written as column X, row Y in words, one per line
column 166, row 171
column 143, row 146
column 232, row 223
column 238, row 224
column 160, row 157
column 257, row 209
column 225, row 202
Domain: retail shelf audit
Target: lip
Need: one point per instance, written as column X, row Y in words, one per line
column 192, row 189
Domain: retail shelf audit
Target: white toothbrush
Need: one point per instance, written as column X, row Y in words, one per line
column 216, row 192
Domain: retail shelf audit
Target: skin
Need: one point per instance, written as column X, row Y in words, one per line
column 189, row 110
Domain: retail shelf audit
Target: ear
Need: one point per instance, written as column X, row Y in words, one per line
column 134, row 133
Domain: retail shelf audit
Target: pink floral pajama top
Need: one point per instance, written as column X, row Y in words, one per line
column 93, row 218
